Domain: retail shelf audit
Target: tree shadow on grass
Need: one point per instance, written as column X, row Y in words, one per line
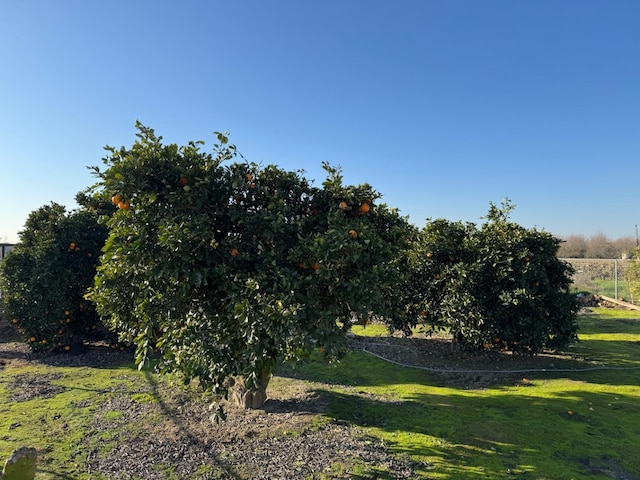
column 463, row 437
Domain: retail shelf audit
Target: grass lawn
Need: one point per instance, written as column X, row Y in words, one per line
column 561, row 423
column 547, row 425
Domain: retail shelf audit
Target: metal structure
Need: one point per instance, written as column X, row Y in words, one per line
column 603, row 277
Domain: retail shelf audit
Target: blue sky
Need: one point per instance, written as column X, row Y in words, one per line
column 441, row 105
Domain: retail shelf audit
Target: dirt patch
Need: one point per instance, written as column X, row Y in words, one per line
column 280, row 441
column 468, row 370
column 28, row 386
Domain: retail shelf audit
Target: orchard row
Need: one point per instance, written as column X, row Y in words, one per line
column 221, row 268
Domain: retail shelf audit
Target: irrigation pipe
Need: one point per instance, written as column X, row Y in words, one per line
column 524, row 370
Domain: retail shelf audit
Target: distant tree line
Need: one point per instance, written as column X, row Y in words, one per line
column 596, row 246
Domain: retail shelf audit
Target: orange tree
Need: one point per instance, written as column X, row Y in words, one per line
column 499, row 286
column 224, row 269
column 45, row 278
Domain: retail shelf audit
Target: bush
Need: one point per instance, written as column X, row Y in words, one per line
column 497, row 287
column 45, row 277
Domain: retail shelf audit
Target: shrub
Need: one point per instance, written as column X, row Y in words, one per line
column 47, row 274
column 500, row 286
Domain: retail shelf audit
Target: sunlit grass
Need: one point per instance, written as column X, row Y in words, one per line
column 582, row 424
column 561, row 425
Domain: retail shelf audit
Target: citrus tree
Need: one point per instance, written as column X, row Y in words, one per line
column 500, row 286
column 47, row 274
column 224, row 269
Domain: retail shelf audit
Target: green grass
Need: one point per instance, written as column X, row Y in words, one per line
column 555, row 425
column 57, row 425
column 606, row 288
column 565, row 425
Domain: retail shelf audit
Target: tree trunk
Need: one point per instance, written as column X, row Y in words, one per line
column 247, row 398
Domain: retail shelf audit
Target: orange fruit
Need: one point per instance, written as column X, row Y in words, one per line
column 77, row 249
column 72, row 246
column 343, row 205
column 429, row 255
column 485, row 345
column 15, row 320
column 68, row 320
column 249, row 177
column 67, row 313
column 252, row 185
column 315, row 266
column 67, row 347
column 183, row 181
column 234, row 252
column 353, row 234
column 44, row 342
column 32, row 339
column 123, row 205
column 526, row 259
column 116, row 199
column 365, row 207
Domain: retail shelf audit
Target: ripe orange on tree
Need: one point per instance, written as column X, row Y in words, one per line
column 365, row 208
column 234, row 252
column 123, row 205
column 353, row 234
column 343, row 205
column 116, row 199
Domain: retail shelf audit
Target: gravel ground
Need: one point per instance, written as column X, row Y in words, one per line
column 281, row 441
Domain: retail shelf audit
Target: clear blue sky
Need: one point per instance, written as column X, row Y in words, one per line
column 442, row 105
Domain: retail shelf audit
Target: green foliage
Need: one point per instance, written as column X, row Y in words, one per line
column 45, row 277
column 633, row 275
column 498, row 286
column 226, row 269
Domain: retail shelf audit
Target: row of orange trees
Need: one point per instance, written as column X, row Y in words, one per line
column 221, row 269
